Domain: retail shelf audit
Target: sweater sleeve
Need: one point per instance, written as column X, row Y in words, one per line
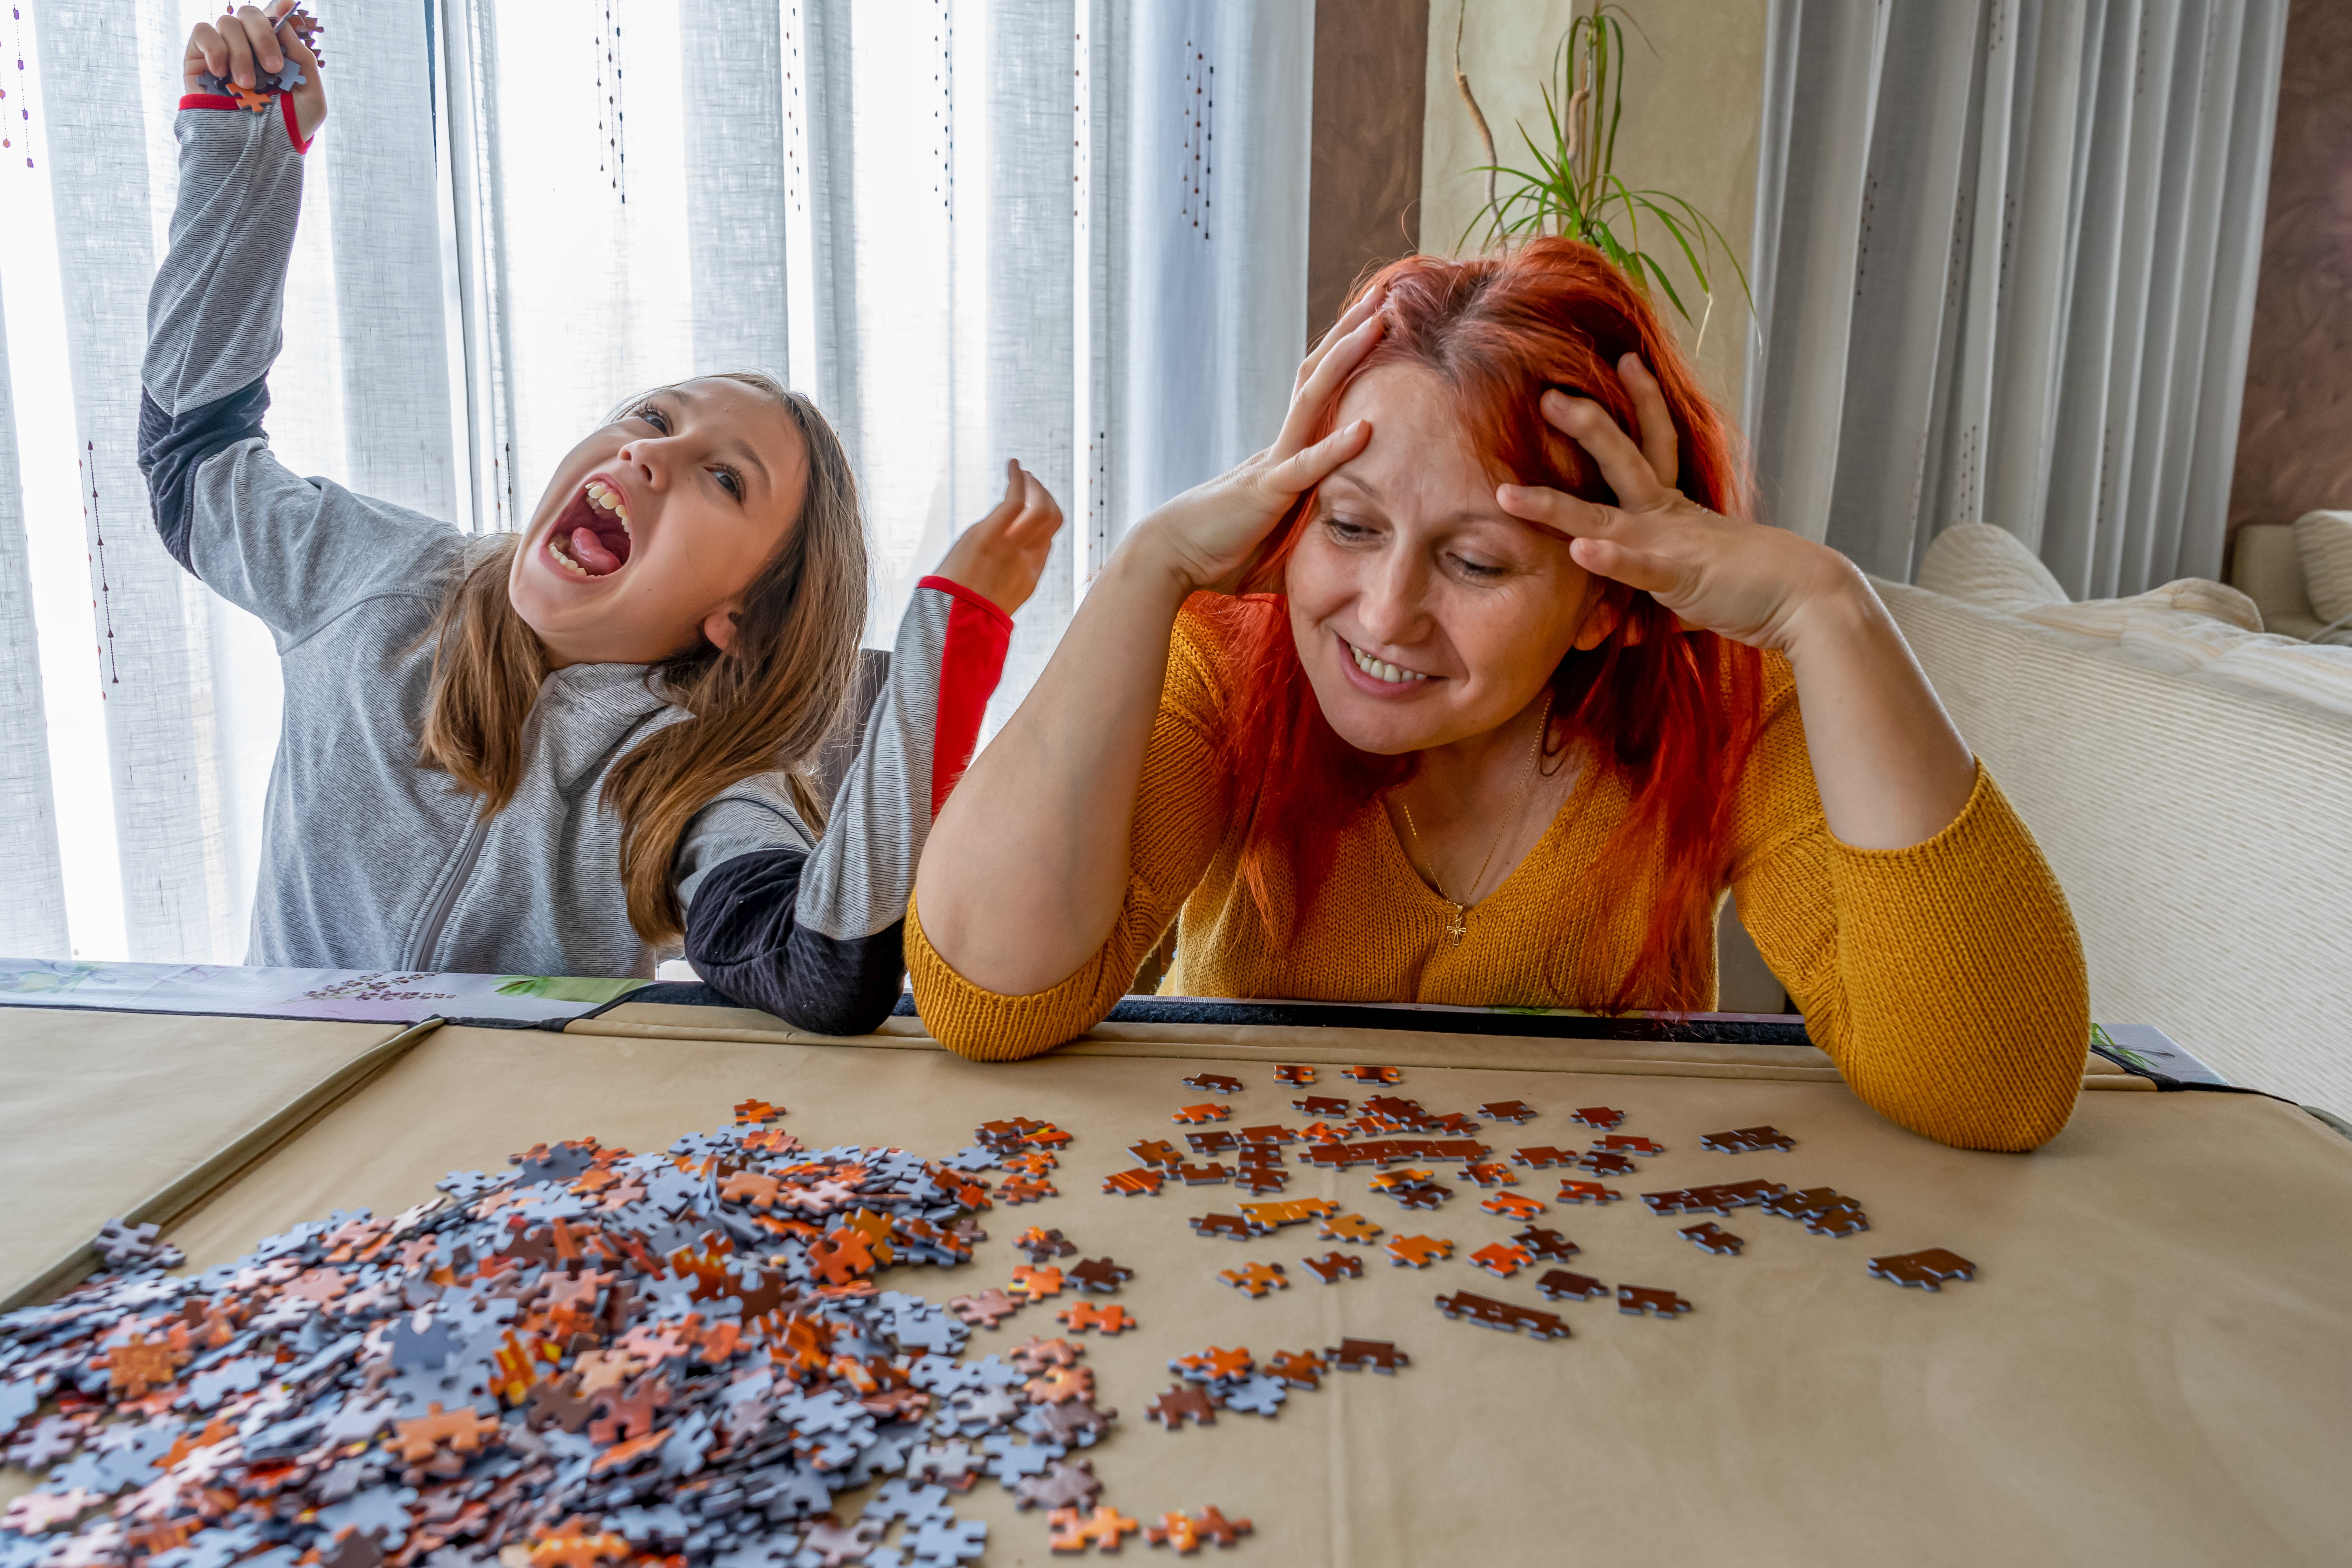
column 815, row 936
column 1179, row 818
column 1946, row 980
column 294, row 552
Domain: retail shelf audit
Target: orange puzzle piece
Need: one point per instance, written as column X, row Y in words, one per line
column 462, row 1428
column 1075, row 1531
column 569, row 1545
column 1036, row 1283
column 1080, row 1316
column 1419, row 1251
column 136, row 1365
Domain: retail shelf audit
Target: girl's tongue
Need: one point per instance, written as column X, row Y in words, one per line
column 589, row 552
column 593, row 534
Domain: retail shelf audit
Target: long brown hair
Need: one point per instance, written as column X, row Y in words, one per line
column 763, row 705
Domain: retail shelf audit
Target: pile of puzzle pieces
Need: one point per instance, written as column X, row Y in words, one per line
column 1216, row 1378
column 591, row 1357
column 1387, row 1130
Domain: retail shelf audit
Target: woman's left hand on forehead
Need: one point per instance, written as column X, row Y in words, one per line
column 1741, row 580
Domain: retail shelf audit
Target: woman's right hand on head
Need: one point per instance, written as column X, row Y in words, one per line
column 1211, row 534
column 252, row 40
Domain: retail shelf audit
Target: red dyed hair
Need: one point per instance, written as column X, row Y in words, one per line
column 1673, row 712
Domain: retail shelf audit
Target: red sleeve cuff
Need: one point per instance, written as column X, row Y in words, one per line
column 980, row 602
column 970, row 661
column 293, row 122
column 285, row 109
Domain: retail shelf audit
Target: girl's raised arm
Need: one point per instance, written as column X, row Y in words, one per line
column 293, row 552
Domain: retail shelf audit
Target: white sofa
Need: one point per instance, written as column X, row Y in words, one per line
column 2190, row 781
column 2290, row 569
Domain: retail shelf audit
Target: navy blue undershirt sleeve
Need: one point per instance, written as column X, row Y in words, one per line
column 171, row 448
column 744, row 939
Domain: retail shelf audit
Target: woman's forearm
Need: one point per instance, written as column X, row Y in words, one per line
column 1028, row 866
column 1891, row 769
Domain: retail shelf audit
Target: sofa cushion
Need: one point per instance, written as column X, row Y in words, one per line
column 2323, row 539
column 2203, row 596
column 2265, row 566
column 2309, row 672
column 2178, row 626
column 1989, row 566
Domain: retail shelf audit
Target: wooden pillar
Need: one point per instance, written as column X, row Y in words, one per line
column 1364, row 177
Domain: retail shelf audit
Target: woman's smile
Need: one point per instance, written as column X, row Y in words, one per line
column 1380, row 678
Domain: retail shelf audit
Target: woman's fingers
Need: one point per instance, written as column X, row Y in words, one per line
column 1354, row 316
column 1557, row 512
column 1304, row 470
column 1621, row 463
column 1601, row 538
column 1656, row 425
column 1622, row 563
column 1314, row 392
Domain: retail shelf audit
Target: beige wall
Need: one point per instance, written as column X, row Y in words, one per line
column 1693, row 96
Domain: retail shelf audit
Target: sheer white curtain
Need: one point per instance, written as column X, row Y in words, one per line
column 1067, row 231
column 2005, row 260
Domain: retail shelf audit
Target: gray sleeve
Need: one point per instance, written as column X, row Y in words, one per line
column 299, row 552
column 296, row 552
column 752, row 817
column 213, row 315
column 919, row 740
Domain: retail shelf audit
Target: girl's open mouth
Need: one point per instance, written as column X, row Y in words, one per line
column 591, row 537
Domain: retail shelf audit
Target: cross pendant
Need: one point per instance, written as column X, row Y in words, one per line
column 1458, row 925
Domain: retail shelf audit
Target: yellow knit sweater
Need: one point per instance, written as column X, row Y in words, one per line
column 1945, row 980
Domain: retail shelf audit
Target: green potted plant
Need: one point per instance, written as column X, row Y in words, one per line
column 1573, row 188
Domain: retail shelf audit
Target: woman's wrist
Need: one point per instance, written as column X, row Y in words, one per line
column 1151, row 564
column 1836, row 610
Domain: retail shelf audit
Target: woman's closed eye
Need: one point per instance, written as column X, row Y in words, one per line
column 1345, row 530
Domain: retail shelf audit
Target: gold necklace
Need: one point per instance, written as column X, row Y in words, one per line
column 1457, row 926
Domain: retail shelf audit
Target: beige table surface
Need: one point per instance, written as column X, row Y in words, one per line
column 2155, row 1366
column 134, row 1114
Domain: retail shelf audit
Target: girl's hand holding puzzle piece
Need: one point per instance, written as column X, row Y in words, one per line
column 243, row 45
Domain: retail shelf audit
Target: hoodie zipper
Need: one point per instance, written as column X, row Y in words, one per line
column 422, row 956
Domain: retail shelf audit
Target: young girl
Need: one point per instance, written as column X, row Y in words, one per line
column 558, row 752
column 1503, row 718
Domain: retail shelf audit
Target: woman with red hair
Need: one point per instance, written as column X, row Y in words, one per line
column 1459, row 693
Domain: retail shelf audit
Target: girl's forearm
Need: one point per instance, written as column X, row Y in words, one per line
column 1028, row 866
column 1891, row 770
